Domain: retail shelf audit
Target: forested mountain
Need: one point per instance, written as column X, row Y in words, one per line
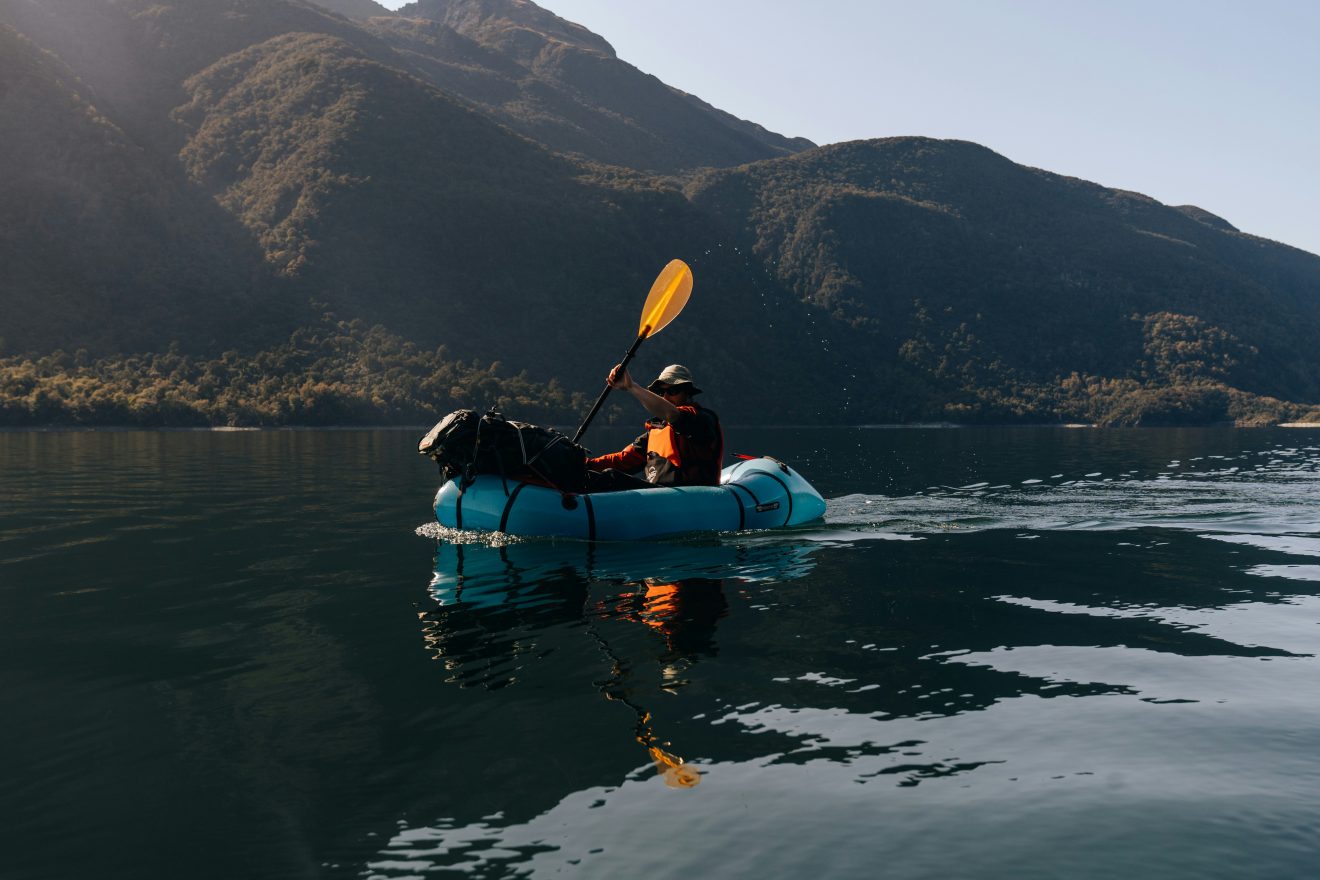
column 185, row 184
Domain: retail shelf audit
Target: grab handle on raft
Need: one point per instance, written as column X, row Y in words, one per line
column 669, row 294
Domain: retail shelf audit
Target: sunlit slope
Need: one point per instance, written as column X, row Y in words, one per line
column 102, row 246
column 135, row 55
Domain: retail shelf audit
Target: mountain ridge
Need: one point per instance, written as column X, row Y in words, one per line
column 521, row 28
column 557, row 83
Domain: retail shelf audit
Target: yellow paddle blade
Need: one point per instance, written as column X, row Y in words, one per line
column 667, row 297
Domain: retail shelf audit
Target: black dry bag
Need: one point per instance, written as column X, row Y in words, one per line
column 465, row 443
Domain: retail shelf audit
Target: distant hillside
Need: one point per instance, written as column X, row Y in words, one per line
column 925, row 244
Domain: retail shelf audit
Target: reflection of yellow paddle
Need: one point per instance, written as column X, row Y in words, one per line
column 668, row 295
column 671, row 768
column 675, row 773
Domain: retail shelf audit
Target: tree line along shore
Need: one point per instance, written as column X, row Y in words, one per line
column 344, row 373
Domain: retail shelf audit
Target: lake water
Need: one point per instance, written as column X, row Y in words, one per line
column 1004, row 654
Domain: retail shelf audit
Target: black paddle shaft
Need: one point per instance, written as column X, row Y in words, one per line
column 606, row 393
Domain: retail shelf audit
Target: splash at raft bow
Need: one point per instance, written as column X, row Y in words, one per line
column 508, row 476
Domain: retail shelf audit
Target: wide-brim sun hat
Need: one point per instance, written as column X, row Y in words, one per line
column 675, row 375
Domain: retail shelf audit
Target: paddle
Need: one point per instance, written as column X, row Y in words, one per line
column 668, row 295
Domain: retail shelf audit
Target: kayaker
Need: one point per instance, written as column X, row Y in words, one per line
column 683, row 444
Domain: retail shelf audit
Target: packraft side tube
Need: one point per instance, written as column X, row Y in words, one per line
column 758, row 493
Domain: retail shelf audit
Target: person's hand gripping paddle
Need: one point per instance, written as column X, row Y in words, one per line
column 668, row 295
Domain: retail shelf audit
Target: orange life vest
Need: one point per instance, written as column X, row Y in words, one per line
column 673, row 459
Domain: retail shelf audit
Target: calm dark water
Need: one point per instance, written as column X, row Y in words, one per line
column 1005, row 654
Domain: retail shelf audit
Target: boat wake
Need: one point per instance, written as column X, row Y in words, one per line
column 437, row 532
column 1271, row 492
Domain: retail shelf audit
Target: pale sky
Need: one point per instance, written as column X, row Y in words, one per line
column 1202, row 102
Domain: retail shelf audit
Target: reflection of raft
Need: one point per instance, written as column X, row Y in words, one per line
column 525, row 574
column 757, row 493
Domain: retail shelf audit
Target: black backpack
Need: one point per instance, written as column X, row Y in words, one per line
column 466, row 443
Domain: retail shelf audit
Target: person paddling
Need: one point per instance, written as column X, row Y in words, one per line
column 683, row 444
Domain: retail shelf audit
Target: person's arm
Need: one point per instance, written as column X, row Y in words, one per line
column 628, row 459
column 622, row 380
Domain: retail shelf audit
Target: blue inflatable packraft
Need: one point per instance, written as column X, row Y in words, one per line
column 756, row 493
